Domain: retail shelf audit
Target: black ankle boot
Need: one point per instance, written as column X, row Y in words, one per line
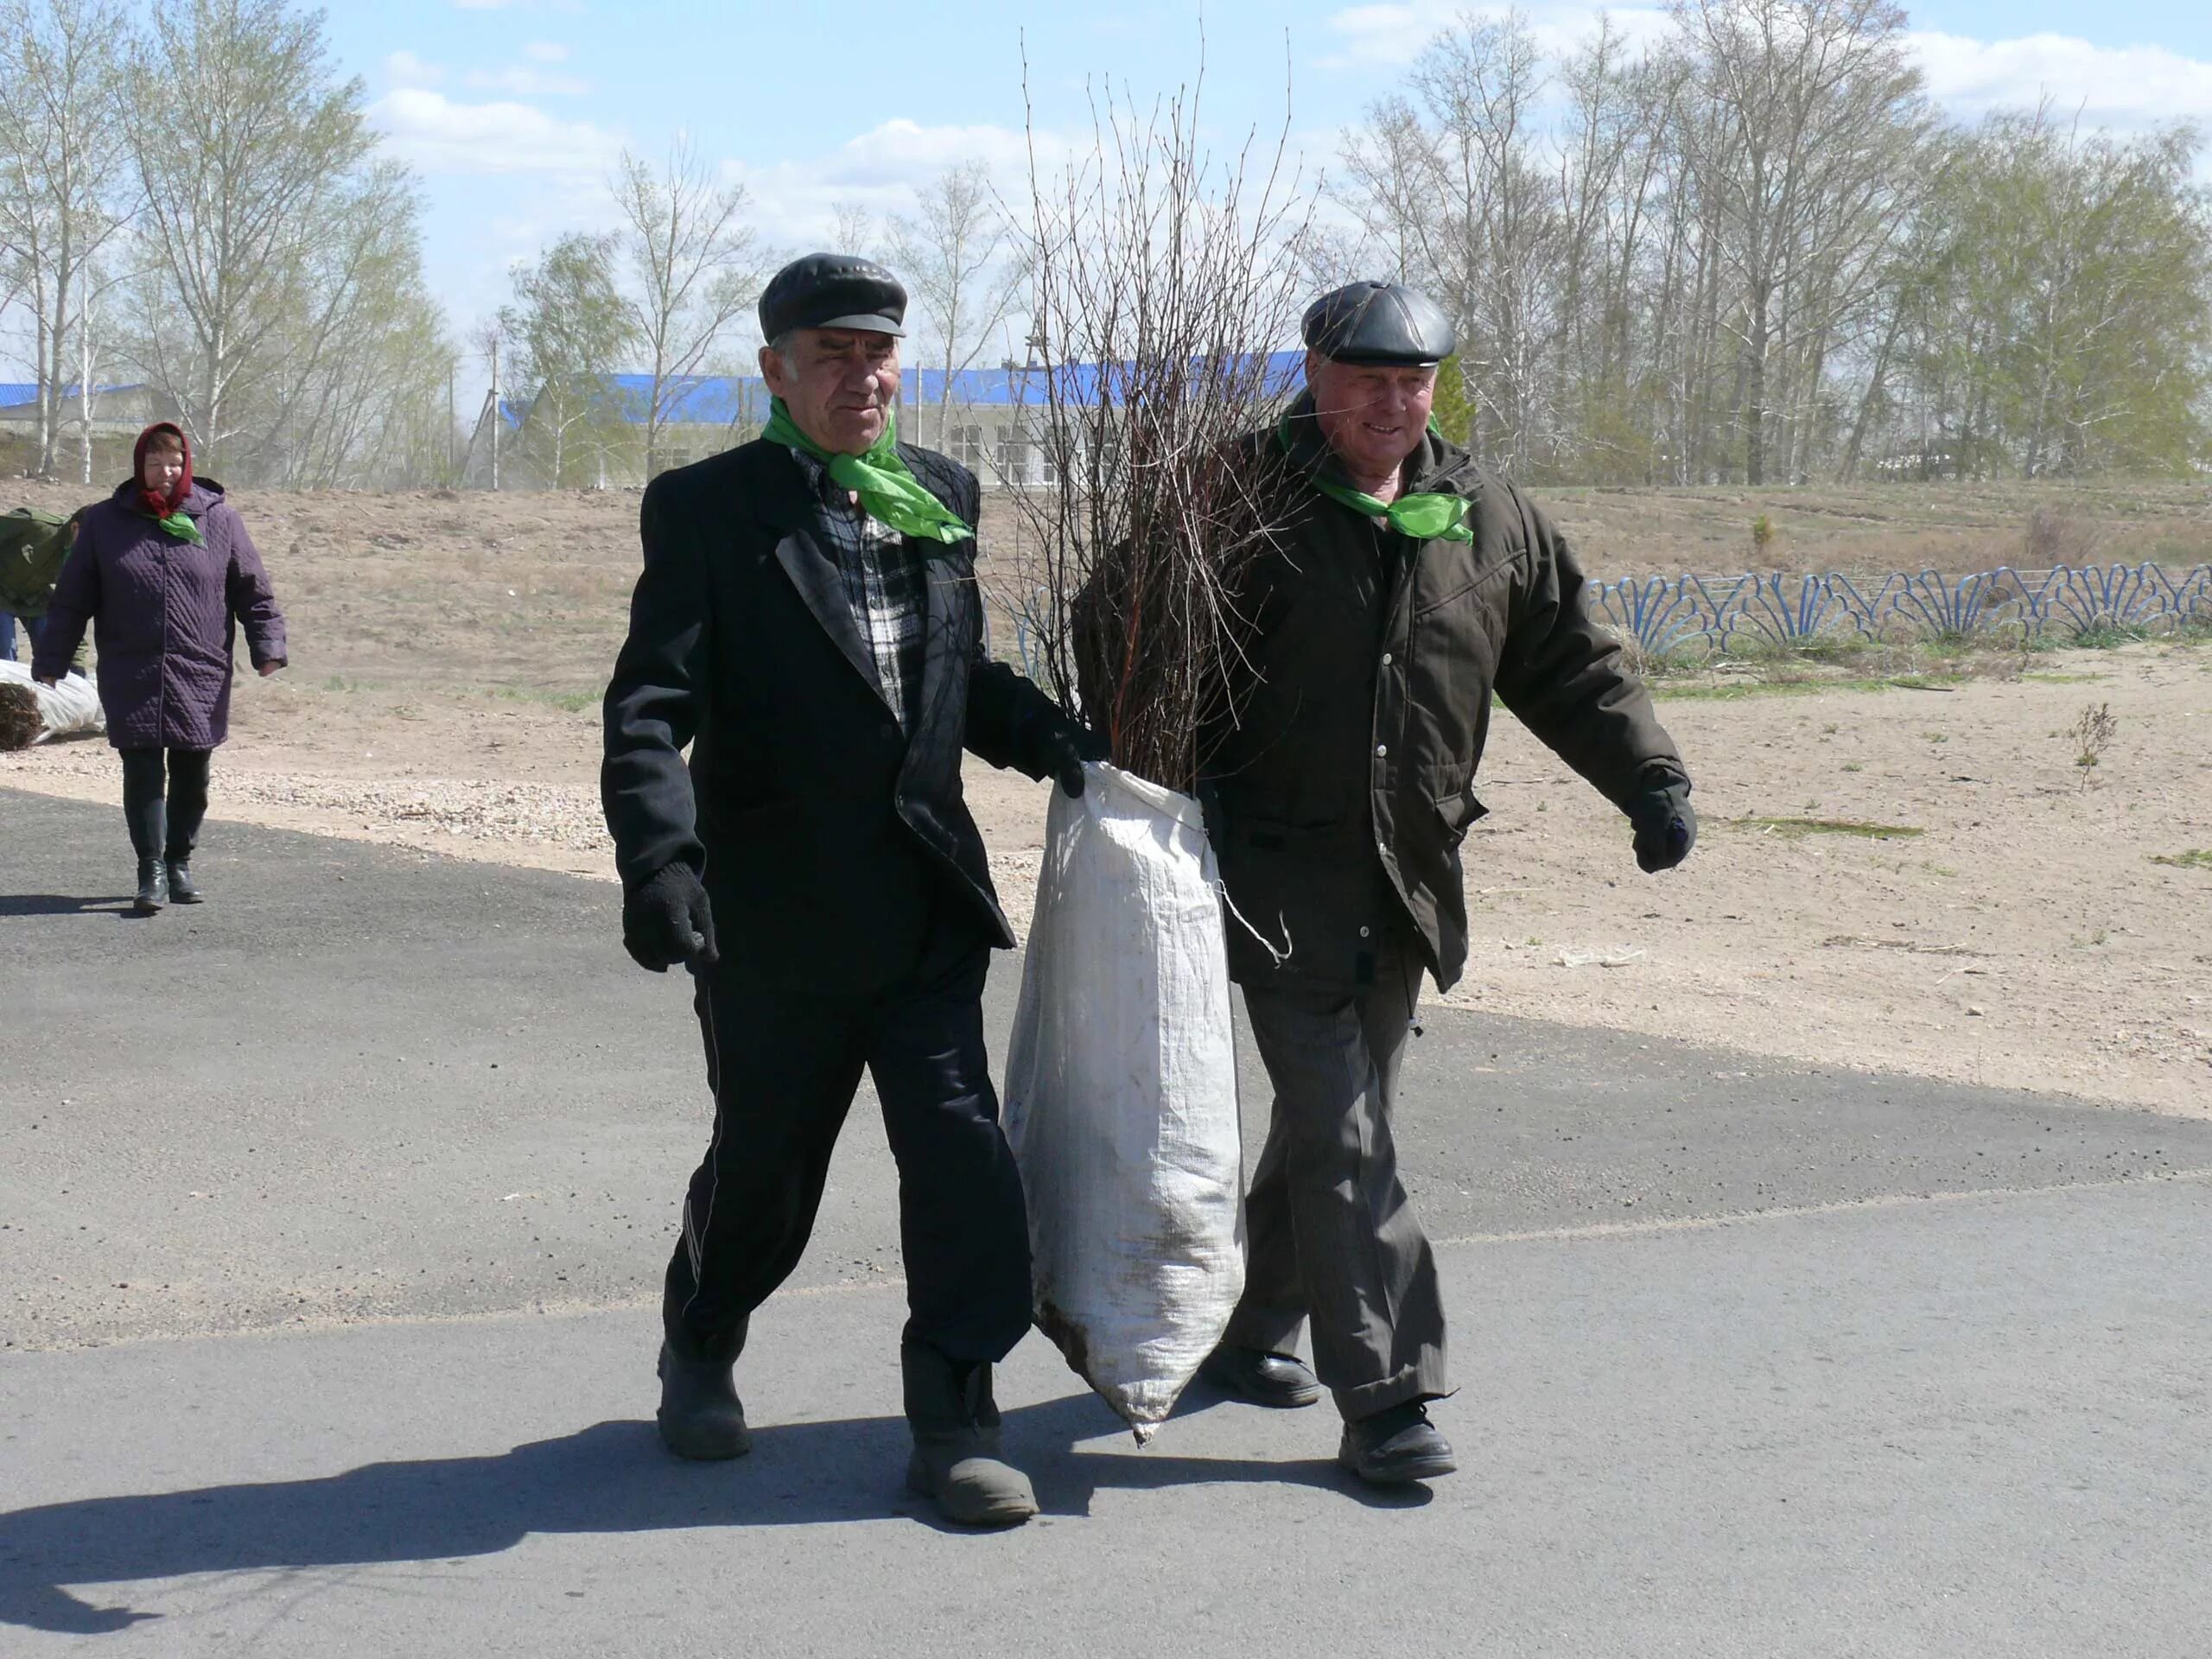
column 956, row 1427
column 153, row 886
column 699, row 1413
column 182, row 888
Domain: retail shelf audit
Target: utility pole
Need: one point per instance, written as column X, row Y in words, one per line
column 499, row 416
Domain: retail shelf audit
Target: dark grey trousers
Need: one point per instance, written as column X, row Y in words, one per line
column 1332, row 1235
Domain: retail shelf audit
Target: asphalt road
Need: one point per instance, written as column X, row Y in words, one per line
column 331, row 1213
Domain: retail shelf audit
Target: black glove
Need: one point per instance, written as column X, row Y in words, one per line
column 1666, row 827
column 1064, row 748
column 667, row 921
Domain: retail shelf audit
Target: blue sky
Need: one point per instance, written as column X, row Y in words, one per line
column 513, row 110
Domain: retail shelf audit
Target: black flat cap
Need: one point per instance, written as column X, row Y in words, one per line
column 1381, row 324
column 832, row 290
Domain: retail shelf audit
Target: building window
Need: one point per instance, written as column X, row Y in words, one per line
column 968, row 446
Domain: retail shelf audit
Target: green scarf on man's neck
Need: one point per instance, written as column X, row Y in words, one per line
column 888, row 491
column 1426, row 517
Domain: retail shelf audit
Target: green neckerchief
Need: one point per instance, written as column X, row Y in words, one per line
column 179, row 523
column 1427, row 517
column 888, row 491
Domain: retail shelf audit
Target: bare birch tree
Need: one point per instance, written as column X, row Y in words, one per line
column 65, row 185
column 694, row 269
column 570, row 332
column 956, row 256
column 1814, row 101
column 265, row 216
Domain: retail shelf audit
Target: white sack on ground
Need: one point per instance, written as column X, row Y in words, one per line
column 1121, row 1096
column 31, row 712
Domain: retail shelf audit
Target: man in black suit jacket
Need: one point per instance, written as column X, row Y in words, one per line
column 808, row 621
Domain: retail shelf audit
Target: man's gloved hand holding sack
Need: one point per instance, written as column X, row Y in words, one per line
column 1064, row 745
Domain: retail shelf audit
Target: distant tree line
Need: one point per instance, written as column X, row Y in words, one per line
column 1752, row 251
column 1748, row 250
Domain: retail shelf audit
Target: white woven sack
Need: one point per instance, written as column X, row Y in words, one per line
column 1121, row 1096
column 71, row 709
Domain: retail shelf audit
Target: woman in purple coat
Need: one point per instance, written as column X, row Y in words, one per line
column 165, row 573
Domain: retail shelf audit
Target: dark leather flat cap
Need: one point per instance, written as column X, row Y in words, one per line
column 832, row 290
column 1381, row 324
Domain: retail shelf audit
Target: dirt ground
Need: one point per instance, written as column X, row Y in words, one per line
column 1914, row 877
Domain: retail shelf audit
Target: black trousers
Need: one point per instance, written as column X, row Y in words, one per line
column 783, row 1069
column 165, row 812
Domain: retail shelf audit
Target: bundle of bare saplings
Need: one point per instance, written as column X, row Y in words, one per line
column 1161, row 282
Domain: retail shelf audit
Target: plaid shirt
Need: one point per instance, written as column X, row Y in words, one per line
column 885, row 584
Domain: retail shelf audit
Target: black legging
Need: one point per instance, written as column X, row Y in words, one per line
column 165, row 820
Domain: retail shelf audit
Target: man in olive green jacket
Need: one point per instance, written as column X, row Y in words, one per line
column 34, row 546
column 1402, row 587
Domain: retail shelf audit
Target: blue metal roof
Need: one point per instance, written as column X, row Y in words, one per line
column 695, row 399
column 13, row 393
column 1031, row 388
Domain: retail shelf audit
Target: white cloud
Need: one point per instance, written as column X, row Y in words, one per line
column 795, row 201
column 440, row 136
column 405, row 69
column 526, row 80
column 2128, row 85
column 1390, row 36
column 545, row 51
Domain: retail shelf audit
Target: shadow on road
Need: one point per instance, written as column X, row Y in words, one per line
column 56, row 903
column 610, row 1477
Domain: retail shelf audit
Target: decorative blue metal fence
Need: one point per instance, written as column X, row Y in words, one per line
column 1667, row 615
column 1672, row 615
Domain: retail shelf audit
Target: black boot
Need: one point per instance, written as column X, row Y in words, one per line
column 145, row 814
column 956, row 1425
column 1395, row 1444
column 187, row 810
column 699, row 1413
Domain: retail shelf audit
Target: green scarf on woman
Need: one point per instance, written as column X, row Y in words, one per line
column 889, row 491
column 179, row 523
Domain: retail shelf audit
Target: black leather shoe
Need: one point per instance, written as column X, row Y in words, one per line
column 181, row 890
column 699, row 1413
column 153, row 886
column 1261, row 1379
column 1396, row 1444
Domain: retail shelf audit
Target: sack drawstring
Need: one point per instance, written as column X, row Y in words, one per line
column 1266, row 943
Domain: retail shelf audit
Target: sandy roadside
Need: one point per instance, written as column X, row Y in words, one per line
column 2023, row 938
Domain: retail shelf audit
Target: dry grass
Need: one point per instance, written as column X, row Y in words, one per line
column 441, row 595
column 1873, row 529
